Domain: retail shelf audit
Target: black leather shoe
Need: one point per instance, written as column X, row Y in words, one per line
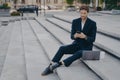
column 54, row 66
column 47, row 71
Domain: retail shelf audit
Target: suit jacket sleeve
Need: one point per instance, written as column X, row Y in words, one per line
column 92, row 35
column 73, row 30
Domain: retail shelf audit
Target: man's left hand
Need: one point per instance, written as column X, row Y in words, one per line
column 82, row 35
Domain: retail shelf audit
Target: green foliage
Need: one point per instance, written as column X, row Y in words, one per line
column 111, row 4
column 101, row 1
column 15, row 13
column 70, row 2
column 99, row 8
column 15, row 1
column 4, row 6
column 85, row 1
column 111, row 1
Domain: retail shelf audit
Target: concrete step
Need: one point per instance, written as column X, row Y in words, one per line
column 5, row 34
column 14, row 66
column 101, row 39
column 45, row 38
column 35, row 57
column 60, row 23
column 4, row 23
column 77, row 70
column 4, row 14
column 2, row 29
column 102, row 71
column 58, row 32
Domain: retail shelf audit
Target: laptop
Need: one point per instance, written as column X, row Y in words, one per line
column 93, row 55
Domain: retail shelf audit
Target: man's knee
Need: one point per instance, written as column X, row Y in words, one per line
column 62, row 48
column 79, row 53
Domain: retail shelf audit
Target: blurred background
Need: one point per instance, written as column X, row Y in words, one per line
column 63, row 4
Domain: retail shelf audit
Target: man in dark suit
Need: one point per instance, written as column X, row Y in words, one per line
column 83, row 33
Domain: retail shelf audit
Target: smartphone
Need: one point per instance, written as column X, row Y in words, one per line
column 78, row 32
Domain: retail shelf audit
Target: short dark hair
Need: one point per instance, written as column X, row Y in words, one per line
column 84, row 8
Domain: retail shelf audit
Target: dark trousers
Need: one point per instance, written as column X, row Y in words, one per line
column 73, row 49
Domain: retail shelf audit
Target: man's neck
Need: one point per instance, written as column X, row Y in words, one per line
column 84, row 20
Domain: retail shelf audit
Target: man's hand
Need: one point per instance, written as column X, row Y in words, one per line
column 81, row 35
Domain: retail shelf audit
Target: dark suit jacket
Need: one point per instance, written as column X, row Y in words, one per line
column 89, row 30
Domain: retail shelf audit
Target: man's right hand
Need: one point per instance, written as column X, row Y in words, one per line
column 76, row 35
column 80, row 35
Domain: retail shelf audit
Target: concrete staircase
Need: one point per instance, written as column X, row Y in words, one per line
column 5, row 34
column 35, row 57
column 23, row 57
column 14, row 66
column 77, row 70
column 27, row 46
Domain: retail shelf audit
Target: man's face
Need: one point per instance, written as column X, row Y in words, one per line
column 83, row 14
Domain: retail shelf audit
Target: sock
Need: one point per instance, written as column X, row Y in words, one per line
column 60, row 63
column 50, row 63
